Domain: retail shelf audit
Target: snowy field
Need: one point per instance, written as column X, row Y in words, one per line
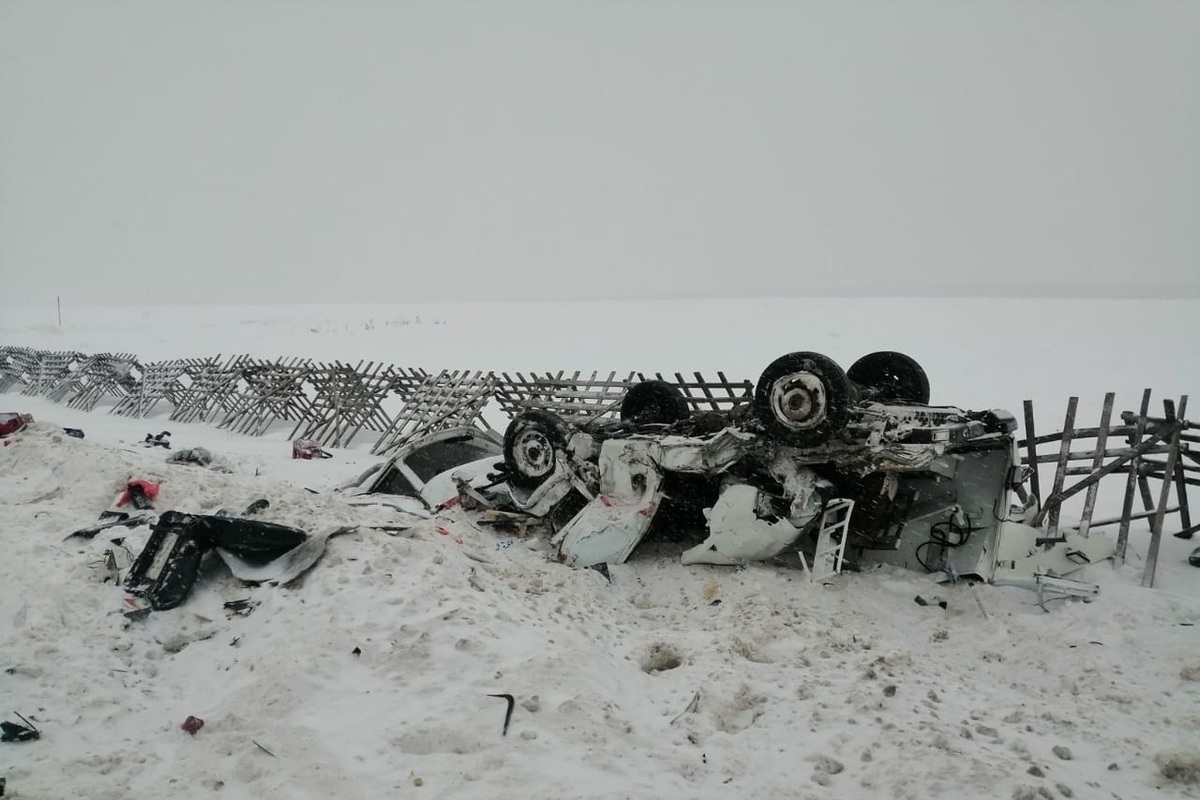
column 370, row 676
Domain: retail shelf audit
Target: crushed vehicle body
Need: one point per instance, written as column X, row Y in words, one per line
column 426, row 468
column 817, row 454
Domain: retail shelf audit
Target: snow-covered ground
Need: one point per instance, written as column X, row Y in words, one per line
column 669, row 681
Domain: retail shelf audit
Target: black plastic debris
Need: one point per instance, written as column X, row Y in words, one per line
column 166, row 569
column 74, row 433
column 512, row 702
column 357, row 651
column 602, row 568
column 14, row 732
column 1194, row 558
column 158, row 440
column 241, row 608
column 112, row 519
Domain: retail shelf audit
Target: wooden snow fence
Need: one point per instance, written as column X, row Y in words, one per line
column 448, row 399
column 208, row 389
column 161, row 380
column 576, row 396
column 1141, row 448
column 348, row 399
column 49, row 369
column 269, row 392
column 16, row 365
column 722, row 395
column 98, row 377
column 580, row 397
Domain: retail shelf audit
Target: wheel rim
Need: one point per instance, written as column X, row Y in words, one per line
column 798, row 401
column 534, row 453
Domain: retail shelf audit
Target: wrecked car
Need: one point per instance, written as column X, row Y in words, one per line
column 426, row 468
column 912, row 484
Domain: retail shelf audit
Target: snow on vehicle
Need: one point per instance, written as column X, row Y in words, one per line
column 425, row 469
column 820, row 459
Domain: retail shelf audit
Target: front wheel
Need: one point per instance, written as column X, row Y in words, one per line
column 803, row 398
column 532, row 442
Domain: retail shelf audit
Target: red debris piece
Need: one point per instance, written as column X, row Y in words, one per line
column 192, row 724
column 141, row 492
column 11, row 422
column 308, row 449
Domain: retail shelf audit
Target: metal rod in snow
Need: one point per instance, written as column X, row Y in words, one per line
column 1031, row 447
column 1131, row 484
column 1164, row 494
column 1060, row 474
column 1089, row 502
column 58, row 301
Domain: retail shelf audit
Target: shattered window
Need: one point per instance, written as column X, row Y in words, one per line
column 394, row 482
column 441, row 456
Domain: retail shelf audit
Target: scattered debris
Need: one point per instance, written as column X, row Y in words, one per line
column 199, row 457
column 512, row 702
column 308, row 449
column 158, row 440
column 692, row 706
column 1194, row 558
column 240, row 608
column 192, row 724
column 74, row 433
column 13, row 732
column 169, row 564
column 357, row 651
column 265, row 750
column 602, row 568
column 11, row 422
column 138, row 492
column 938, row 601
column 112, row 519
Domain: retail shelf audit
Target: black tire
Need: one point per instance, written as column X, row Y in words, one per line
column 803, row 398
column 890, row 377
column 531, row 444
column 653, row 403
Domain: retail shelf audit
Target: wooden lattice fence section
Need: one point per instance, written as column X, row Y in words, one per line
column 1141, row 449
column 705, row 395
column 448, row 399
column 161, row 380
column 49, row 369
column 572, row 395
column 209, row 388
column 348, row 399
column 272, row 391
column 16, row 365
column 101, row 376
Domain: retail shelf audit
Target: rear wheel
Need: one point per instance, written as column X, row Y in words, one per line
column 803, row 398
column 890, row 377
column 653, row 403
column 532, row 442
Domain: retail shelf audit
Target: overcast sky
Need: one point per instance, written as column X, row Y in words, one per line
column 374, row 151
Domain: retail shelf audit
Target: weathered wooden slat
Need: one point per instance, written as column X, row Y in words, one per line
column 1131, row 483
column 1164, row 495
column 1089, row 502
column 1060, row 474
column 1031, row 457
